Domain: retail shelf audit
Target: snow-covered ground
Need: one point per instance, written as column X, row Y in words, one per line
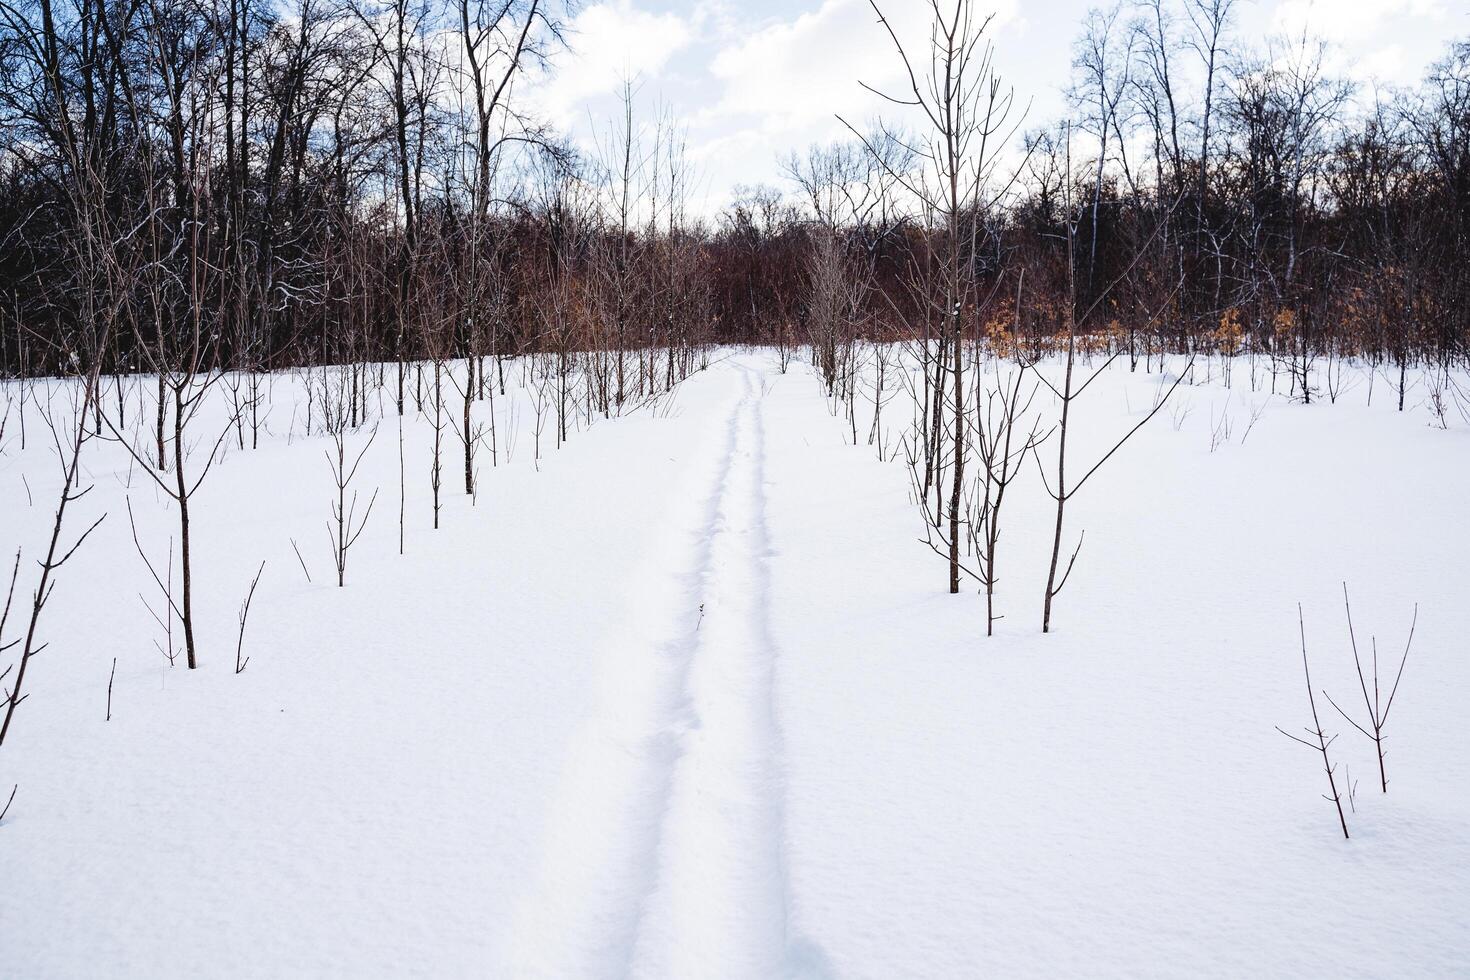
column 690, row 699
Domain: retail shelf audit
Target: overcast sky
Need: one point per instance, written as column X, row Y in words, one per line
column 752, row 80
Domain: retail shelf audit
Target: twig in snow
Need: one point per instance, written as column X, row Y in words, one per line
column 1256, row 412
column 244, row 615
column 1320, row 741
column 300, row 559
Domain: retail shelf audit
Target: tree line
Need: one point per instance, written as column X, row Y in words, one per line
column 206, row 185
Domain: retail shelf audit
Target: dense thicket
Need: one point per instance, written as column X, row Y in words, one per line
column 245, row 184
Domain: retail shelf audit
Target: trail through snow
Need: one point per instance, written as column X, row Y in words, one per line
column 664, row 855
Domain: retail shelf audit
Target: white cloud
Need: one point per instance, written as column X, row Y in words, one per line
column 1346, row 21
column 798, row 72
column 753, row 80
column 610, row 41
column 792, row 76
column 1369, row 41
column 1388, row 64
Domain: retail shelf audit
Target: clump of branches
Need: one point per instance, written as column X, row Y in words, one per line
column 69, row 440
column 1001, row 453
column 165, row 582
column 1376, row 706
column 5, row 618
column 345, row 527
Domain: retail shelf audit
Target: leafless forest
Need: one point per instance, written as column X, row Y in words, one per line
column 190, row 188
column 194, row 195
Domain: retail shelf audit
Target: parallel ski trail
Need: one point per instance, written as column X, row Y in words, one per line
column 662, row 854
column 720, row 906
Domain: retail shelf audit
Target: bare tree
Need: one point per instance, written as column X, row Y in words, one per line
column 1209, row 20
column 1105, row 78
column 1067, row 394
column 967, row 111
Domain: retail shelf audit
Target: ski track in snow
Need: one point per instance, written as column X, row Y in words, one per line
column 663, row 854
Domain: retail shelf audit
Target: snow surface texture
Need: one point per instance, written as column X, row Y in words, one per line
column 690, row 700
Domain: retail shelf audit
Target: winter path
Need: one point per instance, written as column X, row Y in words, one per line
column 665, row 854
